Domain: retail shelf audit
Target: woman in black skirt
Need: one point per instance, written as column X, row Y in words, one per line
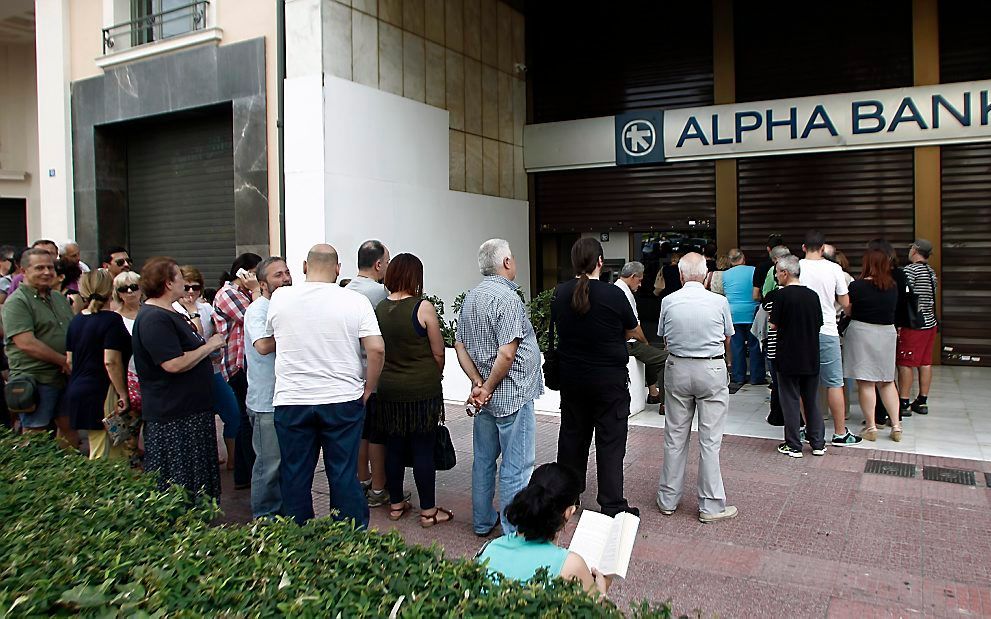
column 176, row 377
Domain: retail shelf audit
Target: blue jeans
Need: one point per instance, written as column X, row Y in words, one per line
column 225, row 405
column 514, row 436
column 741, row 340
column 50, row 405
column 266, row 495
column 302, row 431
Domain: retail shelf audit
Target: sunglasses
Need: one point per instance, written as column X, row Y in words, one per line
column 130, row 288
column 122, row 261
column 193, row 287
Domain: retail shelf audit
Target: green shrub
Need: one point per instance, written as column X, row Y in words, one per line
column 540, row 317
column 91, row 538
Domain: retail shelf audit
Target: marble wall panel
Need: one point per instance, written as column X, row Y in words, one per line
column 474, row 174
column 414, row 69
column 455, row 80
column 368, row 7
column 436, row 66
column 519, row 38
column 240, row 77
column 434, row 13
column 364, row 49
column 490, row 32
column 490, row 167
column 505, row 108
column 506, row 186
column 390, row 58
column 337, row 40
column 457, row 160
column 391, row 11
column 505, row 37
column 473, row 96
column 473, row 28
column 454, row 25
column 519, row 174
column 490, row 102
column 303, row 23
column 519, row 110
column 414, row 19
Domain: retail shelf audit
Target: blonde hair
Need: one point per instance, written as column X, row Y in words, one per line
column 124, row 278
column 191, row 274
column 96, row 287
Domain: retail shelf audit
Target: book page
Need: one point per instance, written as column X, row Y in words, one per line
column 591, row 537
column 620, row 547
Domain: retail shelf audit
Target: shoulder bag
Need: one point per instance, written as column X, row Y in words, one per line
column 914, row 318
column 21, row 394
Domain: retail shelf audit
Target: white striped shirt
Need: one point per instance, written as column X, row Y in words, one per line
column 922, row 280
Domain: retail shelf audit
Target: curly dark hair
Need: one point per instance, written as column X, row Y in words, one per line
column 537, row 511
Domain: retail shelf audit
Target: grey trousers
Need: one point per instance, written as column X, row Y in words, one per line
column 692, row 385
column 653, row 360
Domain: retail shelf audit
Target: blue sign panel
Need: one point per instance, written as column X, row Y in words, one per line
column 640, row 137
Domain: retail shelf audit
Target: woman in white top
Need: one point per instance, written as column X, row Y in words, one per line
column 127, row 299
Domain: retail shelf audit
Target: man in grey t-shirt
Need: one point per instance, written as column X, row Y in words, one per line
column 373, row 261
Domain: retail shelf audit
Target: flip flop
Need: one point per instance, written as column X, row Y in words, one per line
column 396, row 514
column 428, row 521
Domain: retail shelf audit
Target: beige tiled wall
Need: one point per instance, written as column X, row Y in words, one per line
column 459, row 55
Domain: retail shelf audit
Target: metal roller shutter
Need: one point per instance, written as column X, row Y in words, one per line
column 13, row 222
column 180, row 183
column 850, row 197
column 966, row 260
column 635, row 198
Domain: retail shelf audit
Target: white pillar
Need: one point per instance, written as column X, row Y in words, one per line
column 54, row 119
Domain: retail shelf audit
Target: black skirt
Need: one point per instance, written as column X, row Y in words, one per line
column 405, row 418
column 184, row 452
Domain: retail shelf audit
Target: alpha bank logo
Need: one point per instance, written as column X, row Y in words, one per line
column 640, row 137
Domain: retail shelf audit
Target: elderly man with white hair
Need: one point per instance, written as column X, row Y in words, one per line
column 630, row 278
column 497, row 349
column 696, row 325
column 70, row 251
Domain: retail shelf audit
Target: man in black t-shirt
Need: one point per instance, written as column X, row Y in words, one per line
column 797, row 316
column 760, row 273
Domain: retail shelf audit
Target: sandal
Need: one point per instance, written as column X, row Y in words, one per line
column 896, row 434
column 869, row 434
column 428, row 521
column 397, row 513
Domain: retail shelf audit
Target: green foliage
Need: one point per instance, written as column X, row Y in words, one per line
column 88, row 537
column 540, row 317
column 448, row 329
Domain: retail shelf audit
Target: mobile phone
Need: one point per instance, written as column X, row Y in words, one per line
column 241, row 274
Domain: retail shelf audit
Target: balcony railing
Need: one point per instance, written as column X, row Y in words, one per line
column 156, row 26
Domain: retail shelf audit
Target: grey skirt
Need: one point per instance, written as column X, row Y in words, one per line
column 869, row 351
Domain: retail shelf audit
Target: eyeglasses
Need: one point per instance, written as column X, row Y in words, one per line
column 122, row 261
column 193, row 287
column 130, row 288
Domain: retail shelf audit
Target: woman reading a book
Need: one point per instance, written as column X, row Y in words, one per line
column 539, row 513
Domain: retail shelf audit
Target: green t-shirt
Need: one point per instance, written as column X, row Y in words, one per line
column 769, row 283
column 48, row 318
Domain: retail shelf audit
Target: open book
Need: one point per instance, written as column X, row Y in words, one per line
column 606, row 543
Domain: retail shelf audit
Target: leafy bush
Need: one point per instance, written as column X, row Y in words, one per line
column 448, row 329
column 540, row 317
column 89, row 537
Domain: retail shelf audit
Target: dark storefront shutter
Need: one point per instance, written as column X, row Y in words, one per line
column 633, row 198
column 966, row 260
column 181, row 193
column 851, row 197
column 13, row 222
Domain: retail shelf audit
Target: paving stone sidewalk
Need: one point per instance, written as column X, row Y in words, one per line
column 816, row 537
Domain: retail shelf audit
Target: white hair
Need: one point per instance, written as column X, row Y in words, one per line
column 692, row 267
column 791, row 265
column 491, row 255
column 63, row 246
column 631, row 268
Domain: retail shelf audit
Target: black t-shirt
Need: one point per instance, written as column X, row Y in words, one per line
column 672, row 279
column 592, row 348
column 870, row 304
column 797, row 316
column 161, row 335
column 760, row 273
column 89, row 335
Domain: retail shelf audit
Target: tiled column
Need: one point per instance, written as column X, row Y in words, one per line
column 724, row 91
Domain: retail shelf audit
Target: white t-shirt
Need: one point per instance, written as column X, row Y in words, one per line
column 629, row 297
column 205, row 310
column 317, row 328
column 828, row 281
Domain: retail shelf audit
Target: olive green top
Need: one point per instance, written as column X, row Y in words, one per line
column 48, row 317
column 410, row 372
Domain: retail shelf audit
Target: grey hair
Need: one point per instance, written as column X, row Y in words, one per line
column 260, row 271
column 631, row 268
column 734, row 255
column 62, row 247
column 692, row 267
column 790, row 264
column 779, row 252
column 491, row 254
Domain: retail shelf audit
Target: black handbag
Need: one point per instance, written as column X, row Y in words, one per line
column 21, row 394
column 914, row 317
column 445, row 457
column 552, row 366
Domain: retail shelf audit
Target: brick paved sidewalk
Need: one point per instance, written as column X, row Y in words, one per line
column 816, row 537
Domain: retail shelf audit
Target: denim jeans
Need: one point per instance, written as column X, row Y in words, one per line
column 266, row 495
column 514, row 436
column 743, row 339
column 303, row 430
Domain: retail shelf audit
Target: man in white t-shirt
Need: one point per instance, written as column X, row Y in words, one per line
column 321, row 385
column 630, row 278
column 826, row 279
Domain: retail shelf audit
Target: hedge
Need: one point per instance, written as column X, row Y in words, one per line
column 78, row 536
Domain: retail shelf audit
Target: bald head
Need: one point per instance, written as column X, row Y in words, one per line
column 322, row 264
column 692, row 267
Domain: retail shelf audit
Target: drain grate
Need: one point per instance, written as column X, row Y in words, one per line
column 897, row 469
column 951, row 476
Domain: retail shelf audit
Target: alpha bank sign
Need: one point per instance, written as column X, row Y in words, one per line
column 925, row 115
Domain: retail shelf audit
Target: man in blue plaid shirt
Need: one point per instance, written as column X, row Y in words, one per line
column 497, row 349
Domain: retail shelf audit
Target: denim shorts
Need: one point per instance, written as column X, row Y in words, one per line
column 830, row 361
column 50, row 406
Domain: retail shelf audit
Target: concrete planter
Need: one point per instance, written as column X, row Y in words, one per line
column 457, row 387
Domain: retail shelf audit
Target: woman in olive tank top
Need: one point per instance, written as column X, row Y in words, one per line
column 409, row 401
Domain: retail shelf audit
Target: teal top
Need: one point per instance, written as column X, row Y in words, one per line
column 512, row 556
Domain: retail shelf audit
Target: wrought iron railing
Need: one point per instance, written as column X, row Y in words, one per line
column 156, row 26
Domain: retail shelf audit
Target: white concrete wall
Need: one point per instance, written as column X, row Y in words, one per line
column 384, row 173
column 618, row 245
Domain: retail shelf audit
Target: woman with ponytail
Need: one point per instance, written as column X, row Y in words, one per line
column 539, row 513
column 98, row 347
column 593, row 322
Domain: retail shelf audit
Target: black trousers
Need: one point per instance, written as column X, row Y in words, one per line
column 791, row 387
column 421, row 447
column 244, row 453
column 602, row 411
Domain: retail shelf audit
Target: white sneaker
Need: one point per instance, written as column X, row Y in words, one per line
column 726, row 514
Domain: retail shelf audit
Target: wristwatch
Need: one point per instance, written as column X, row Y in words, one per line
column 194, row 315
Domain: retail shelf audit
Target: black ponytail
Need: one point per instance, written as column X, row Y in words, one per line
column 585, row 255
column 537, row 511
column 246, row 261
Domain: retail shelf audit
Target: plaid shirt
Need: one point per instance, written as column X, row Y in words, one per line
column 493, row 315
column 230, row 304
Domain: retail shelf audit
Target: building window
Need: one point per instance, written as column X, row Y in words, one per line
column 155, row 20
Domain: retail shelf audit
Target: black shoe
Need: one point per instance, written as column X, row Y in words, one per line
column 734, row 387
column 655, row 399
column 922, row 409
column 632, row 510
column 783, row 448
column 905, row 412
column 489, row 532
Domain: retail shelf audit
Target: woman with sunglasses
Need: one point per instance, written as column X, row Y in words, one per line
column 200, row 314
column 127, row 300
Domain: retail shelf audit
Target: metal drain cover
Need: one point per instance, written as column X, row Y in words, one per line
column 951, row 476
column 897, row 469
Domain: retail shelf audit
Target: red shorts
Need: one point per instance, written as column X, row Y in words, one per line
column 915, row 347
